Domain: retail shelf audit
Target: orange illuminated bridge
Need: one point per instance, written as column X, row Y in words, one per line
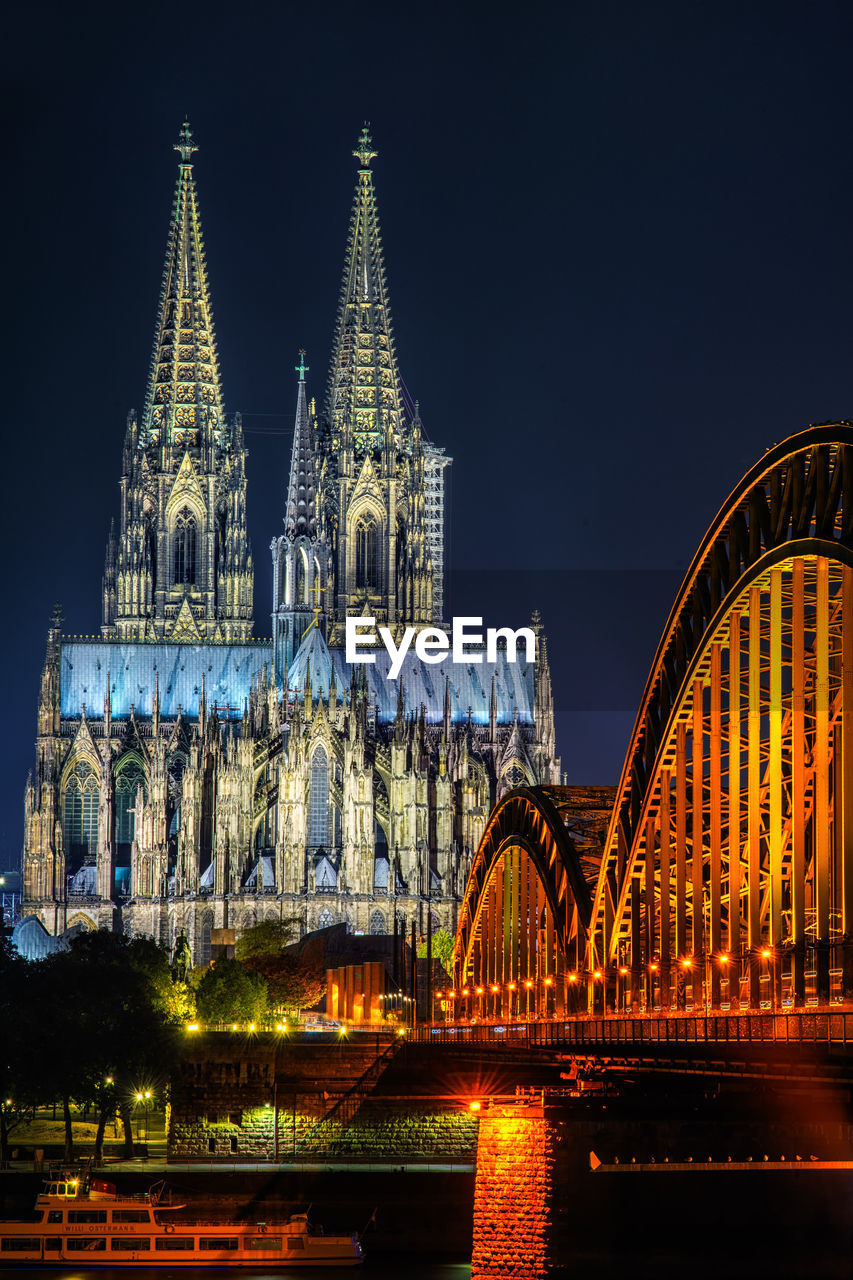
column 725, row 881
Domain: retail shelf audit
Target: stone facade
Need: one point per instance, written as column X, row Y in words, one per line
column 226, row 1102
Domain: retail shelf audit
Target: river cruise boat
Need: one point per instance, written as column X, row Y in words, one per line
column 88, row 1224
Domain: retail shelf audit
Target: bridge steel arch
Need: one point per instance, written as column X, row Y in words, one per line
column 522, row 930
column 727, row 877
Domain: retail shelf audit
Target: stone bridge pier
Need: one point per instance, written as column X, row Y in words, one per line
column 517, row 1152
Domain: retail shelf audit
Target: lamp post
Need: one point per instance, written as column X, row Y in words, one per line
column 145, row 1099
column 767, row 954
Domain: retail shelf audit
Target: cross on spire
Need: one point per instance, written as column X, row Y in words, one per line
column 302, row 367
column 185, row 145
column 364, row 150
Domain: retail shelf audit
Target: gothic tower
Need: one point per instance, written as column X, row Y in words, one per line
column 188, row 778
column 370, row 486
column 180, row 568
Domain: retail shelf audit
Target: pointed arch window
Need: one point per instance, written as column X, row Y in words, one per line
column 129, row 778
column 319, row 811
column 365, row 553
column 184, row 547
column 300, row 594
column 377, row 923
column 80, row 810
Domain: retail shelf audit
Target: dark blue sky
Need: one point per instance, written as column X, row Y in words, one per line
column 618, row 246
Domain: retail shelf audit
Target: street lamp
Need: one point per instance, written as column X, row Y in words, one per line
column 145, row 1099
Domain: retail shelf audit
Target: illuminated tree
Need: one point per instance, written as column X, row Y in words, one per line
column 442, row 948
column 229, row 992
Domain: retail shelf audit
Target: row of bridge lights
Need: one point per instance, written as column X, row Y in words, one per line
column 686, row 962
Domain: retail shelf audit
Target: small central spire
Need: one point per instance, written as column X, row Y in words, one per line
column 185, row 145
column 364, row 150
column 302, row 367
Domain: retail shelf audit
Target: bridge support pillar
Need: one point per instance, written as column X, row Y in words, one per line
column 513, row 1194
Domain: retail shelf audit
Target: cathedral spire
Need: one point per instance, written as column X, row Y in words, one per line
column 299, row 514
column 184, row 395
column 363, row 399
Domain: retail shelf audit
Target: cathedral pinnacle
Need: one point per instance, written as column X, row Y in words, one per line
column 364, row 150
column 299, row 516
column 185, row 145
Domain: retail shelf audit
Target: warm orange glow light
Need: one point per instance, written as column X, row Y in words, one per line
column 623, row 970
column 597, row 973
column 479, row 991
column 549, row 982
column 653, row 967
column 686, row 963
column 766, row 954
column 494, row 986
column 474, row 1106
column 573, row 977
column 724, row 959
column 512, row 986
column 528, row 985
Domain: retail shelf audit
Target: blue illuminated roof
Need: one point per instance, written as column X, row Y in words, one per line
column 470, row 683
column 227, row 671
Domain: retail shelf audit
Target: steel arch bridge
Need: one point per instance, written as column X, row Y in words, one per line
column 524, row 921
column 727, row 874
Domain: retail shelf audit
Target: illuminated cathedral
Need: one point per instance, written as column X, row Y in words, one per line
column 191, row 777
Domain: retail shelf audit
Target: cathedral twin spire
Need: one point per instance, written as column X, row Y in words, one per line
column 180, row 568
column 184, row 396
column 363, row 400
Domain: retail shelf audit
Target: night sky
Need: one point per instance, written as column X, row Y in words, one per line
column 617, row 238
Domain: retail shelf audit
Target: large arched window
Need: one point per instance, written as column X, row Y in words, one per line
column 184, row 545
column 377, row 922
column 365, row 553
column 129, row 778
column 80, row 810
column 319, row 813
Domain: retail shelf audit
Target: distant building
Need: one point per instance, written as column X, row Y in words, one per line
column 191, row 777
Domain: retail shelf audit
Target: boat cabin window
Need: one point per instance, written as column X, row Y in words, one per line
column 129, row 1244
column 20, row 1244
column 87, row 1215
column 67, row 1189
column 174, row 1244
column 53, row 1215
column 131, row 1215
column 86, row 1244
column 219, row 1242
column 263, row 1242
column 52, row 1243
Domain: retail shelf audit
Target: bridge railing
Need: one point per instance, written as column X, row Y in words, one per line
column 806, row 1027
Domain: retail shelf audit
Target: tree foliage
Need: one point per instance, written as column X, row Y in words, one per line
column 442, row 948
column 94, row 1023
column 293, row 983
column 229, row 992
column 267, row 938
